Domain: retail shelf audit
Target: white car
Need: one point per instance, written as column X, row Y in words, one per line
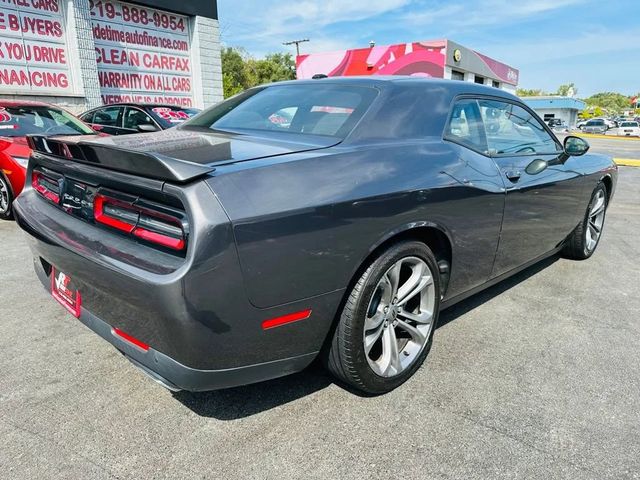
column 629, row 129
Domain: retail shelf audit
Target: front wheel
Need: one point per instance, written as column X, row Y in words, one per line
column 386, row 326
column 585, row 238
column 6, row 197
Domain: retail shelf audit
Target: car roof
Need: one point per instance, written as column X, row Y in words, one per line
column 382, row 81
column 140, row 105
column 24, row 103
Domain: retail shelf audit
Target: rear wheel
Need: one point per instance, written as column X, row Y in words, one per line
column 585, row 238
column 386, row 327
column 6, row 197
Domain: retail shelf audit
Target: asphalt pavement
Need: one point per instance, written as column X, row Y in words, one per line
column 617, row 147
column 538, row 377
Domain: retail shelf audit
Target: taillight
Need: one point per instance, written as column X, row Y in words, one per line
column 46, row 186
column 144, row 220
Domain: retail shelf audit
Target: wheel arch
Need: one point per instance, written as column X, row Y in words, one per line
column 608, row 183
column 436, row 237
column 433, row 235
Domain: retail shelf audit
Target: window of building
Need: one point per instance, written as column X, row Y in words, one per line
column 457, row 75
column 496, row 84
column 479, row 79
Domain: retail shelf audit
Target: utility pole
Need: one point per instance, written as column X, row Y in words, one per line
column 297, row 44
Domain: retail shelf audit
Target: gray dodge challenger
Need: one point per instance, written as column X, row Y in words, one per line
column 331, row 219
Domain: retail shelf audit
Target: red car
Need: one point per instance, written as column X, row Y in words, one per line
column 18, row 119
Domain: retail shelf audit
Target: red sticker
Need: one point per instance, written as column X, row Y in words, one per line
column 4, row 116
column 174, row 116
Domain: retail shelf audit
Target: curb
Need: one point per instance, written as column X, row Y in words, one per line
column 627, row 162
column 606, row 137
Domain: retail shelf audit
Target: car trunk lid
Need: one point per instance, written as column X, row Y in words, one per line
column 176, row 155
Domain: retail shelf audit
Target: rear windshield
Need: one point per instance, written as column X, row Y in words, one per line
column 44, row 120
column 169, row 116
column 310, row 109
column 629, row 124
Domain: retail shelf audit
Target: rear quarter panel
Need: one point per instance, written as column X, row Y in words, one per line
column 303, row 225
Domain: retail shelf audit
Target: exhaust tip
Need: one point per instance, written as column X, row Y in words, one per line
column 154, row 376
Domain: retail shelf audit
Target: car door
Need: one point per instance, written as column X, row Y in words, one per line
column 135, row 120
column 543, row 188
column 110, row 119
column 477, row 216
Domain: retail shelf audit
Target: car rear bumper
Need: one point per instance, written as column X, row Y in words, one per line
column 202, row 331
column 174, row 375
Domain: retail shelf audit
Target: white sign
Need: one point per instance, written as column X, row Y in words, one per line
column 143, row 54
column 33, row 51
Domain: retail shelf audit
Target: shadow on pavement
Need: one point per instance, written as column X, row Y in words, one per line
column 478, row 299
column 241, row 402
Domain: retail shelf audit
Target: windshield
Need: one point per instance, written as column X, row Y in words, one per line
column 169, row 116
column 595, row 123
column 44, row 120
column 312, row 109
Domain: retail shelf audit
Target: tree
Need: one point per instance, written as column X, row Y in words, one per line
column 240, row 71
column 567, row 90
column 235, row 77
column 275, row 67
column 609, row 102
column 524, row 92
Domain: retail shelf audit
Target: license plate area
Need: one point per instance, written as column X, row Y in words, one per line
column 62, row 289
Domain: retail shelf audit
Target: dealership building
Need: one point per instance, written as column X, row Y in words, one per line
column 556, row 107
column 432, row 58
column 80, row 54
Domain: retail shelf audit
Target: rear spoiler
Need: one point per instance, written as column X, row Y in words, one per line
column 145, row 164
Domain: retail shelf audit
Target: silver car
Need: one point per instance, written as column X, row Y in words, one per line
column 595, row 126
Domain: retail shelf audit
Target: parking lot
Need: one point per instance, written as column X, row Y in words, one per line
column 537, row 377
column 617, row 147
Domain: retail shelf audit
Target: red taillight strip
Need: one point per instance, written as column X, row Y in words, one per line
column 42, row 190
column 164, row 240
column 154, row 237
column 101, row 217
column 130, row 339
column 283, row 320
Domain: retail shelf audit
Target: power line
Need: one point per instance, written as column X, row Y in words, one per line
column 296, row 43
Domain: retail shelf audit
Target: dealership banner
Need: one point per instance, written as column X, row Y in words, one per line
column 33, row 50
column 143, row 54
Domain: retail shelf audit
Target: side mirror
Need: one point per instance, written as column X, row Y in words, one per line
column 536, row 167
column 95, row 127
column 575, row 146
column 147, row 128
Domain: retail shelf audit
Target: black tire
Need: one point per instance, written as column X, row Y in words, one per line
column 346, row 353
column 576, row 246
column 6, row 214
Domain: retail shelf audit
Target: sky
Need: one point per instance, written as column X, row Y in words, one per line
column 593, row 43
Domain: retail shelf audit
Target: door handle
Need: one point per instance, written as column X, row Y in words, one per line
column 513, row 175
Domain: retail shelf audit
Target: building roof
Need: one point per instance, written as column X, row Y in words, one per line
column 554, row 101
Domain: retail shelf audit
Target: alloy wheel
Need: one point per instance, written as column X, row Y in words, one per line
column 399, row 317
column 596, row 220
column 4, row 196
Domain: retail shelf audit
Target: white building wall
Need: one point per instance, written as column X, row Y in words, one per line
column 568, row 115
column 206, row 61
column 82, row 52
